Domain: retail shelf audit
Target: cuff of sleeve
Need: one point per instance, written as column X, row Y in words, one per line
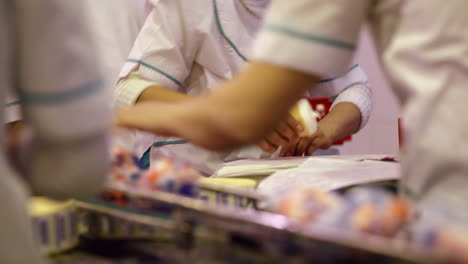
column 302, row 53
column 359, row 95
column 129, row 89
column 12, row 113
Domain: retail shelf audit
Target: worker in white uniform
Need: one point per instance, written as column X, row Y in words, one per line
column 114, row 31
column 423, row 46
column 47, row 57
column 187, row 47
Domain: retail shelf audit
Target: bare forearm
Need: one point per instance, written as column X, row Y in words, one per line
column 245, row 109
column 241, row 111
column 343, row 120
column 161, row 94
column 134, row 89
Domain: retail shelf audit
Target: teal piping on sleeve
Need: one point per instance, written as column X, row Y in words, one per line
column 17, row 102
column 145, row 158
column 309, row 37
column 337, row 77
column 156, row 70
column 50, row 98
column 234, row 47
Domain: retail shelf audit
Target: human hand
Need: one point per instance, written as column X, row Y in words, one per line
column 284, row 135
column 321, row 139
column 343, row 120
column 17, row 138
column 14, row 130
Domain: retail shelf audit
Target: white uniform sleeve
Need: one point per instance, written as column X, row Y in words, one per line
column 163, row 52
column 351, row 87
column 63, row 98
column 312, row 36
column 354, row 88
column 12, row 109
column 16, row 230
column 129, row 88
column 361, row 96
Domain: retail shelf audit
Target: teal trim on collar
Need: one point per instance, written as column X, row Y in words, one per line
column 17, row 102
column 40, row 98
column 156, row 70
column 145, row 158
column 223, row 34
column 334, row 78
column 309, row 37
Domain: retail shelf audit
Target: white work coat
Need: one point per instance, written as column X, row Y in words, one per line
column 192, row 46
column 115, row 25
column 47, row 57
column 423, row 45
column 115, row 30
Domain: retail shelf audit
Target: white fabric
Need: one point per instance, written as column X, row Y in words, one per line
column 424, row 50
column 12, row 108
column 291, row 23
column 181, row 48
column 47, row 51
column 17, row 243
column 133, row 87
column 114, row 31
column 358, row 96
column 60, row 95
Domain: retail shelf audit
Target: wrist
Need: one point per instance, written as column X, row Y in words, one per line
column 332, row 130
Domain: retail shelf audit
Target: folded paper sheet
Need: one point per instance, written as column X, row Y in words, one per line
column 330, row 174
column 257, row 167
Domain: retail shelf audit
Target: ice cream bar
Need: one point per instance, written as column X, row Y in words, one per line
column 304, row 113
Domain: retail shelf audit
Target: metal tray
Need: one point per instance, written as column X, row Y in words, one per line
column 213, row 233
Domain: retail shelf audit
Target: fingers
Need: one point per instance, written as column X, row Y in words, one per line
column 308, row 145
column 267, row 146
column 273, row 141
column 286, row 131
column 303, row 145
column 289, row 130
column 290, row 149
column 277, row 140
column 313, row 146
column 294, row 124
column 321, row 142
column 286, row 134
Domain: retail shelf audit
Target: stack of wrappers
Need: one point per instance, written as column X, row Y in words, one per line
column 166, row 175
column 362, row 210
column 373, row 211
